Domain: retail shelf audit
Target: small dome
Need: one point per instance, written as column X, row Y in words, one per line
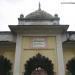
column 21, row 16
column 39, row 15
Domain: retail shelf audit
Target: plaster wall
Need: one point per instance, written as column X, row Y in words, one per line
column 29, row 52
column 7, row 37
column 66, row 36
column 39, row 23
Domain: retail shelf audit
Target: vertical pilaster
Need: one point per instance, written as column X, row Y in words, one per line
column 17, row 55
column 60, row 60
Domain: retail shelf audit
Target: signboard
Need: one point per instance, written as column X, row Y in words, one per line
column 39, row 42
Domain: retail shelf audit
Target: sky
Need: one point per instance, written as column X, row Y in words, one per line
column 10, row 11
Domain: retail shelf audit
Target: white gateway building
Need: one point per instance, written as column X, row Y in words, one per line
column 38, row 45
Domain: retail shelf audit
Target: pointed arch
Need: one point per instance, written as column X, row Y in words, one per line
column 5, row 66
column 39, row 61
column 70, row 66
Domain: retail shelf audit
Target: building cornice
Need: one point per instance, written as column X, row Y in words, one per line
column 38, row 28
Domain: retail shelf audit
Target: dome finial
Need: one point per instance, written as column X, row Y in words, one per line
column 39, row 6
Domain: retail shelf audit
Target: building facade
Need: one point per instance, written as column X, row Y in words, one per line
column 39, row 34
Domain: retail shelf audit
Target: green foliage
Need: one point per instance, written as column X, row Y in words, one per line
column 39, row 61
column 5, row 66
column 68, row 73
column 71, row 66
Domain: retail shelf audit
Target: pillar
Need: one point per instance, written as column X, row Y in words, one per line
column 17, row 55
column 60, row 59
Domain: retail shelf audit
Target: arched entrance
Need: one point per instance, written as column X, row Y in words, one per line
column 70, row 66
column 39, row 65
column 5, row 66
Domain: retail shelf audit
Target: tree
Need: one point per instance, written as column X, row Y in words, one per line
column 5, row 66
column 71, row 66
